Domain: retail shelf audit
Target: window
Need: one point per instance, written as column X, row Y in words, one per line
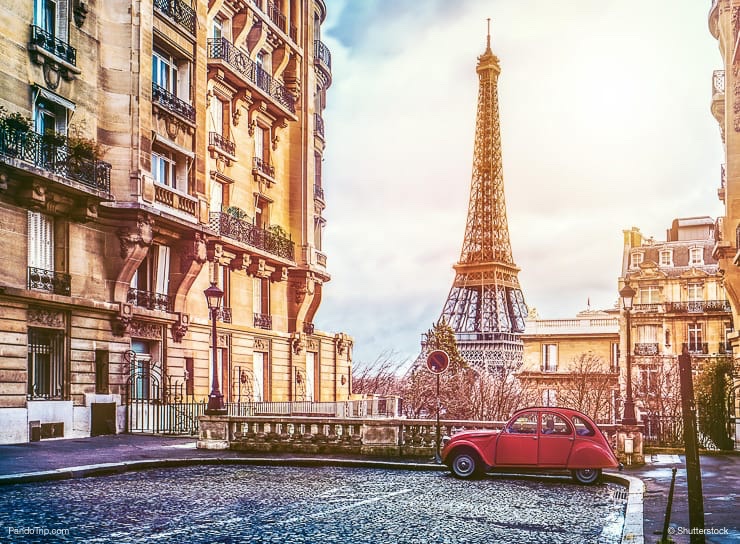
column 695, row 292
column 695, row 337
column 549, row 357
column 554, row 424
column 224, row 282
column 647, row 334
column 262, row 143
column 102, row 383
column 310, row 381
column 261, row 296
column 49, row 116
column 526, row 423
column 45, row 364
column 649, row 295
column 189, row 376
column 217, row 30
column 583, row 428
column 258, row 371
column 164, row 72
column 150, row 283
column 666, row 257
column 696, row 256
column 51, row 16
column 262, row 213
column 614, row 357
column 170, row 169
column 216, row 116
column 636, row 259
column 40, row 241
column 144, row 385
column 217, row 197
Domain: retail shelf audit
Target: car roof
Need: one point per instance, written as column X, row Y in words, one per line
column 569, row 412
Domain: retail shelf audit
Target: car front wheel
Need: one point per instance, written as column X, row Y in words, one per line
column 466, row 465
column 587, row 475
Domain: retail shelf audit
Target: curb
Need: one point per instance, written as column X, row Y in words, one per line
column 632, row 532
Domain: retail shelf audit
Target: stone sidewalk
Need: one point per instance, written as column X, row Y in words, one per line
column 115, row 453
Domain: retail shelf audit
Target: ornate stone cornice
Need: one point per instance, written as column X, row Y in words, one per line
column 140, row 234
column 45, row 317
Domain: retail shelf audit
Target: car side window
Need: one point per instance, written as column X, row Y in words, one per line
column 525, row 423
column 583, row 428
column 554, row 424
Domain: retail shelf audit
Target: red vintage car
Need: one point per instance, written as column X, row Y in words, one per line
column 538, row 438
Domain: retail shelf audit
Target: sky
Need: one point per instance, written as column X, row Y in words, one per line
column 605, row 123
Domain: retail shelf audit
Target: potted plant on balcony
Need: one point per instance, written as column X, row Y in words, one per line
column 13, row 127
column 279, row 231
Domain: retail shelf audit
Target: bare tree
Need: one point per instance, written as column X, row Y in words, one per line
column 380, row 377
column 589, row 386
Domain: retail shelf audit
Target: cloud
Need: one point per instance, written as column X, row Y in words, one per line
column 605, row 125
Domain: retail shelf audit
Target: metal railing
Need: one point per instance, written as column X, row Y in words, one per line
column 263, row 321
column 649, row 308
column 698, row 348
column 318, row 123
column 223, row 49
column 718, row 82
column 179, row 12
column 172, row 103
column 262, row 166
column 646, row 349
column 53, row 45
column 149, row 300
column 57, row 283
column 242, row 231
column 700, row 306
column 223, row 315
column 321, row 53
column 52, row 153
column 273, row 12
column 217, row 140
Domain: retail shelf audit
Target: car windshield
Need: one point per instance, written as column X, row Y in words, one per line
column 583, row 427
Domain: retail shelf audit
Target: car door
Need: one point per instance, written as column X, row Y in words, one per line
column 555, row 441
column 517, row 443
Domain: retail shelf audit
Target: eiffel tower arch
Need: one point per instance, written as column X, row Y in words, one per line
column 485, row 306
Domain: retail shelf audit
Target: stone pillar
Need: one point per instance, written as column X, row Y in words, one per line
column 213, row 433
column 629, row 445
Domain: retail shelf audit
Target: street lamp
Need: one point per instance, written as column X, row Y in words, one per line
column 215, row 399
column 628, row 414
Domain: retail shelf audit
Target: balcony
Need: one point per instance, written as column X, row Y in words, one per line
column 700, row 306
column 56, row 283
column 48, row 42
column 318, row 125
column 263, row 168
column 248, row 71
column 322, row 60
column 651, row 308
column 263, row 321
column 273, row 12
column 251, row 235
column 223, row 315
column 175, row 199
column 217, row 141
column 179, row 12
column 171, row 103
column 149, row 300
column 718, row 100
column 646, row 349
column 54, row 154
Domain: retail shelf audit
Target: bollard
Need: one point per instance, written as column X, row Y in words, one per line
column 667, row 522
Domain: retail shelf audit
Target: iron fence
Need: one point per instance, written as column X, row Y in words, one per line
column 57, row 283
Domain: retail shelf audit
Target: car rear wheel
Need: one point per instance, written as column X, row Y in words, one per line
column 587, row 475
column 466, row 464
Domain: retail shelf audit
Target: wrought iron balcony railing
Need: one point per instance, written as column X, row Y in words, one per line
column 646, row 349
column 320, row 259
column 294, row 33
column 318, row 192
column 53, row 153
column 700, row 306
column 178, row 11
column 318, row 124
column 724, row 347
column 170, row 102
column 650, row 308
column 241, row 231
column 223, row 49
column 718, row 82
column 308, row 328
column 263, row 321
column 321, row 52
column 53, row 45
column 57, row 283
column 698, row 348
column 149, row 300
column 223, row 315
column 261, row 166
column 217, row 140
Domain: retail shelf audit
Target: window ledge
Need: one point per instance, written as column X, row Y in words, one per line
column 42, row 56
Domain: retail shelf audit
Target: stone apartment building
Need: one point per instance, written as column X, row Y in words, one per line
column 724, row 26
column 147, row 150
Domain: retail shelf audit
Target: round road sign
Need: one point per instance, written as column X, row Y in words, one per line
column 438, row 361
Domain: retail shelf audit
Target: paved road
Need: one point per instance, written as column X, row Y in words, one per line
column 312, row 505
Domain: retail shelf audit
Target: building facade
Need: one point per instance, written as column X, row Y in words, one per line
column 149, row 150
column 724, row 25
column 573, row 362
column 680, row 301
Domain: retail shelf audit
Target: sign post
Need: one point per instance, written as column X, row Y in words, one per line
column 437, row 362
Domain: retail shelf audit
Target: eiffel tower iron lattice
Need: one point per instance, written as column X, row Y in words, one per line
column 485, row 306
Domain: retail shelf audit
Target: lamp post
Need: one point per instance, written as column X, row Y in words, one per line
column 215, row 399
column 628, row 413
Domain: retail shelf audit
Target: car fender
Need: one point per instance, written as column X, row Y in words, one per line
column 481, row 447
column 587, row 454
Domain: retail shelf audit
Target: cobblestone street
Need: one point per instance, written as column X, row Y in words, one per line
column 271, row 505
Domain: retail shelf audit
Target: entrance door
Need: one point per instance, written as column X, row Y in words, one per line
column 517, row 443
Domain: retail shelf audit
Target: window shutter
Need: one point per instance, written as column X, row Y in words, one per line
column 257, row 295
column 217, row 196
column 163, row 270
column 62, row 26
column 259, row 142
column 258, row 370
column 40, row 241
column 310, row 367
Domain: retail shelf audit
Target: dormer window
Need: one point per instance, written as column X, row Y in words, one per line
column 666, row 257
column 696, row 256
column 636, row 259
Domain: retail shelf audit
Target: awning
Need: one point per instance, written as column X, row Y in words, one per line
column 53, row 97
column 158, row 138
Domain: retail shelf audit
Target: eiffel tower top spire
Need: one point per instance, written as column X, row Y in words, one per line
column 485, row 306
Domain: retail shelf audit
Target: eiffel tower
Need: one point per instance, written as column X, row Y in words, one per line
column 485, row 306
